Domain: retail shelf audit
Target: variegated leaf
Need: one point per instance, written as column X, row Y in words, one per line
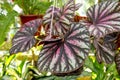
column 67, row 54
column 117, row 61
column 60, row 18
column 104, row 18
column 24, row 39
column 69, row 9
column 106, row 48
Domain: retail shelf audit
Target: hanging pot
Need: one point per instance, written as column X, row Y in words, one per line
column 26, row 18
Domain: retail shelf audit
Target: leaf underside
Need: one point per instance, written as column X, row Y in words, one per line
column 62, row 18
column 24, row 39
column 67, row 54
column 106, row 48
column 104, row 18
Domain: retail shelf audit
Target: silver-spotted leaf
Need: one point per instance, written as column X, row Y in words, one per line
column 106, row 48
column 24, row 39
column 104, row 18
column 117, row 61
column 66, row 54
column 60, row 18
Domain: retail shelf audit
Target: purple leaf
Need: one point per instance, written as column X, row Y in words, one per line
column 106, row 48
column 24, row 39
column 67, row 54
column 104, row 18
column 69, row 9
column 117, row 61
column 61, row 18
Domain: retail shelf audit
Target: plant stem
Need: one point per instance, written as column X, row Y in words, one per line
column 51, row 25
column 33, row 56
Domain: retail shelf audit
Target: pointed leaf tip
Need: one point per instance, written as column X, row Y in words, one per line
column 24, row 39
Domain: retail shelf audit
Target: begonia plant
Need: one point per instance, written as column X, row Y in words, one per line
column 67, row 43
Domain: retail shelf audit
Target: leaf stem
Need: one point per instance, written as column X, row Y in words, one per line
column 51, row 25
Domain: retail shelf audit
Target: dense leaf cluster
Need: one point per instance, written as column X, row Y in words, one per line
column 66, row 43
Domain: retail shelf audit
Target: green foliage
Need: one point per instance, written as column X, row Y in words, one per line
column 5, row 64
column 101, row 71
column 7, row 18
column 6, row 45
column 33, row 6
column 5, row 23
column 12, row 69
column 59, row 3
